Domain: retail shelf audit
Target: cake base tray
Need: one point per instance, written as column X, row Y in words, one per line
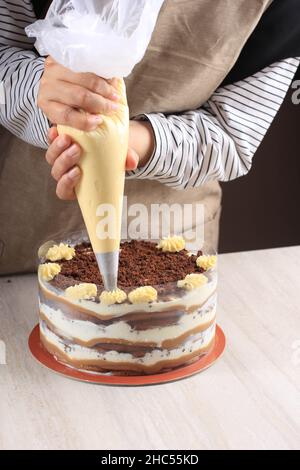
column 47, row 360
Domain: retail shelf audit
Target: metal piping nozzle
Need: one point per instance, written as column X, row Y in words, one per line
column 108, row 265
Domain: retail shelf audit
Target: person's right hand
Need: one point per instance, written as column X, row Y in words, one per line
column 63, row 93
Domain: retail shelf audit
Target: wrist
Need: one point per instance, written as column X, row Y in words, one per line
column 142, row 140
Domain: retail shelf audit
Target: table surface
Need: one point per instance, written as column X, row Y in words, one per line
column 249, row 399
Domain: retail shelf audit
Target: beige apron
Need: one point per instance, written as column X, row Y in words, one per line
column 194, row 45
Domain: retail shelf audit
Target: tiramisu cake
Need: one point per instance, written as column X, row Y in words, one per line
column 161, row 316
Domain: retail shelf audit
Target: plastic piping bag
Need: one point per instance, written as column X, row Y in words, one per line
column 108, row 38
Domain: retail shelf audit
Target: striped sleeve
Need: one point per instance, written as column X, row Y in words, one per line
column 218, row 141
column 20, row 72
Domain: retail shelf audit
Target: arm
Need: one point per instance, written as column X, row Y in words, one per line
column 20, row 72
column 219, row 140
column 35, row 88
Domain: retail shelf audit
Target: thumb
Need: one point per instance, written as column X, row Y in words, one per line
column 132, row 160
column 52, row 134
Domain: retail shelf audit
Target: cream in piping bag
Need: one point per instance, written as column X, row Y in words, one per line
column 107, row 38
column 101, row 187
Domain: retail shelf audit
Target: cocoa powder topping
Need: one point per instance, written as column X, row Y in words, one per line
column 141, row 263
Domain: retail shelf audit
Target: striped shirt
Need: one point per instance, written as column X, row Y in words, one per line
column 217, row 141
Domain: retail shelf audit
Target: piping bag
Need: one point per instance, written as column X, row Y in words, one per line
column 108, row 38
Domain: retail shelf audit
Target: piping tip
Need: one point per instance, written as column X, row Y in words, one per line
column 108, row 264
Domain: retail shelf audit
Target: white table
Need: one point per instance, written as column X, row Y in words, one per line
column 249, row 399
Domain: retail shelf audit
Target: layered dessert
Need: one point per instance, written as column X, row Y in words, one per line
column 161, row 316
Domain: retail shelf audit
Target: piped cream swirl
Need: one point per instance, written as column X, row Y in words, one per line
column 172, row 244
column 48, row 271
column 206, row 261
column 142, row 295
column 112, row 297
column 59, row 252
column 192, row 281
column 84, row 290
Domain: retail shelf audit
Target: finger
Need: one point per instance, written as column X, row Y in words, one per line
column 52, row 134
column 67, row 116
column 76, row 96
column 59, row 145
column 118, row 84
column 65, row 188
column 113, row 82
column 65, row 162
column 132, row 160
column 89, row 81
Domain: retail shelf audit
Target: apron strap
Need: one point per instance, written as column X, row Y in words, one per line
column 41, row 7
column 276, row 37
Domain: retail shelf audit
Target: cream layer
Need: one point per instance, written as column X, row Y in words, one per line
column 197, row 296
column 75, row 353
column 91, row 333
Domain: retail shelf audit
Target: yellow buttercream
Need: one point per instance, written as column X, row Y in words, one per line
column 61, row 251
column 143, row 295
column 81, row 291
column 48, row 271
column 101, row 187
column 192, row 281
column 173, row 244
column 206, row 261
column 116, row 296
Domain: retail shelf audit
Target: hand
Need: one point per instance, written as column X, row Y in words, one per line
column 142, row 140
column 63, row 93
column 64, row 155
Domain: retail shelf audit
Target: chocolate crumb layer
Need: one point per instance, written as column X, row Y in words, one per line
column 141, row 263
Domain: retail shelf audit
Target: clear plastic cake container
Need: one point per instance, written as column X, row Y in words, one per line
column 125, row 339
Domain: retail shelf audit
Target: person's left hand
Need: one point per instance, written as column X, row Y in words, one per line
column 63, row 155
